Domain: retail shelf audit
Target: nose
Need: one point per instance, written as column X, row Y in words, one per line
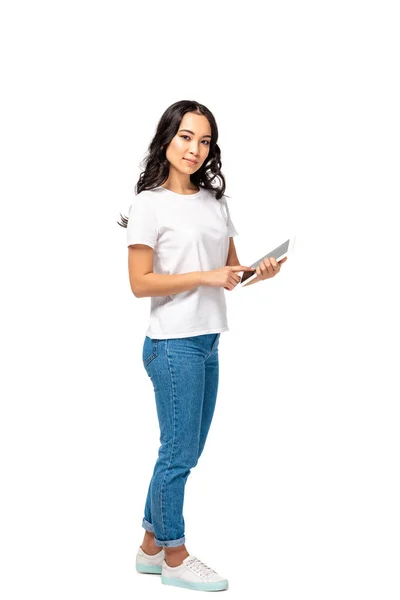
column 194, row 148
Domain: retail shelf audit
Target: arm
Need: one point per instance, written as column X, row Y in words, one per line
column 158, row 284
column 146, row 283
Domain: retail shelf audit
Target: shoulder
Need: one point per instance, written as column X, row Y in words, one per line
column 213, row 195
column 145, row 197
column 142, row 204
column 144, row 194
column 224, row 202
column 150, row 198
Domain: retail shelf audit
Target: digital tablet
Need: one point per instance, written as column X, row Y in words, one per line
column 279, row 253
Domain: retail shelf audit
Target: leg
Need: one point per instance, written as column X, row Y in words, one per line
column 177, row 371
column 210, row 393
column 209, row 401
column 175, row 556
column 148, row 545
column 205, row 348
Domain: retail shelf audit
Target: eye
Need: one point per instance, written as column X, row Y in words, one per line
column 186, row 136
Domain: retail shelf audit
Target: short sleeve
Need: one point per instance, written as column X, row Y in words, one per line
column 231, row 228
column 142, row 222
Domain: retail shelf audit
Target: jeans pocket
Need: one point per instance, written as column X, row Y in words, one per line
column 150, row 350
column 216, row 342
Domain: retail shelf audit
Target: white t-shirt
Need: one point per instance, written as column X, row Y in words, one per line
column 188, row 232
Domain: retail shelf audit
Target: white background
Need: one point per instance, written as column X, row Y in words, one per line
column 297, row 492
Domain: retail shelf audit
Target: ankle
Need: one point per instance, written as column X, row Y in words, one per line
column 148, row 545
column 151, row 551
column 176, row 555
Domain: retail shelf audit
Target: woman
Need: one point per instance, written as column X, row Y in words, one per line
column 182, row 255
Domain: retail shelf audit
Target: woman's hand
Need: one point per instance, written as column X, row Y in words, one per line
column 268, row 268
column 225, row 276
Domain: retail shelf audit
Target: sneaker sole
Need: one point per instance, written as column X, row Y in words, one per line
column 192, row 585
column 148, row 569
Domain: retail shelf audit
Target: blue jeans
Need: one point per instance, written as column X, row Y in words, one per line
column 184, row 373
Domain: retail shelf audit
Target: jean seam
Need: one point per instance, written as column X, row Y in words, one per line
column 173, row 438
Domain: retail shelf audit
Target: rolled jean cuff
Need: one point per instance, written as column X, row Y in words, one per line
column 148, row 526
column 170, row 543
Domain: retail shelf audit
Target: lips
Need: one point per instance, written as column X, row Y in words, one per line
column 192, row 162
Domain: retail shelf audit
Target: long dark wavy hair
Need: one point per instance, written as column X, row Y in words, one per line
column 156, row 164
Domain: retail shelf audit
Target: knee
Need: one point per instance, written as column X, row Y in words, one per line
column 186, row 458
column 179, row 454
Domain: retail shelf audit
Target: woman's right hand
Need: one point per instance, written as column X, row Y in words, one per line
column 225, row 276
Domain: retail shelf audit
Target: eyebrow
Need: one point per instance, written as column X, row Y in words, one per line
column 188, row 130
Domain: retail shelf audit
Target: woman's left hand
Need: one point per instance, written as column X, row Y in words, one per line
column 268, row 268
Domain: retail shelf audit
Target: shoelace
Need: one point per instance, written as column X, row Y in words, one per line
column 199, row 567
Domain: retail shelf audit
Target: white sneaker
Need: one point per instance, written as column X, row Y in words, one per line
column 149, row 563
column 193, row 574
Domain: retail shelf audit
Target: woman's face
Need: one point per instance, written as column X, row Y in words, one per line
column 194, row 143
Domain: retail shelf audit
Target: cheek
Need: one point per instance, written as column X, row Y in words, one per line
column 204, row 155
column 175, row 151
column 177, row 145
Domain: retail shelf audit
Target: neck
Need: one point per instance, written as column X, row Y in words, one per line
column 179, row 183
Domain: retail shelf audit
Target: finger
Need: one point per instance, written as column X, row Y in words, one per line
column 274, row 264
column 263, row 269
column 270, row 268
column 283, row 260
column 234, row 279
column 241, row 268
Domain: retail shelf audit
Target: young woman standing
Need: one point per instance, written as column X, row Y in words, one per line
column 182, row 255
